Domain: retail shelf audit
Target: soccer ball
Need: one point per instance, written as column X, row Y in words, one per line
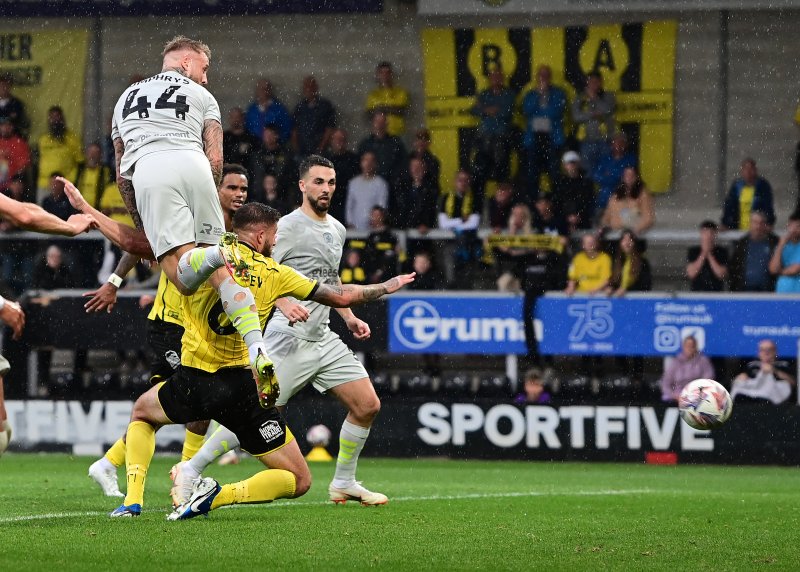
column 705, row 404
column 318, row 436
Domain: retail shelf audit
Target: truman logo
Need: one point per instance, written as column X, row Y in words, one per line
column 418, row 325
column 270, row 430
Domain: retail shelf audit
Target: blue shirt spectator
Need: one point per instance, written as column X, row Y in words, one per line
column 786, row 258
column 608, row 172
column 267, row 110
column 748, row 193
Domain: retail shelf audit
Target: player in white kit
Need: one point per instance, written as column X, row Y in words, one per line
column 302, row 345
column 167, row 136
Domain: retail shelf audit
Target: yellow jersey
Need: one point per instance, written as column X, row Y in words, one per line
column 58, row 155
column 112, row 204
column 590, row 273
column 210, row 342
column 392, row 97
column 168, row 302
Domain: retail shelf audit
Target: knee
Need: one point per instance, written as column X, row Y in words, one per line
column 367, row 410
column 302, row 482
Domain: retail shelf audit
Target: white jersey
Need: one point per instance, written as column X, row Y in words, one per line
column 314, row 249
column 161, row 113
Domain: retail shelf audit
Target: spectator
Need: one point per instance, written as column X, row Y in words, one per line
column 494, row 108
column 687, row 366
column 573, row 194
column 457, row 213
column 543, row 108
column 388, row 150
column 346, row 164
column 512, row 261
column 764, row 379
column 112, row 205
column 272, row 158
column 239, row 146
column 56, row 202
column 93, row 176
column 16, row 263
column 608, row 172
column 500, row 206
column 427, row 278
column 381, row 251
column 15, row 189
column 590, row 270
column 749, row 192
column 265, row 110
column 749, row 267
column 59, row 150
column 271, row 194
column 630, row 271
column 546, row 221
column 11, row 107
column 707, row 264
column 314, row 120
column 593, row 114
column 352, row 270
column 364, row 192
column 51, row 273
column 534, row 391
column 631, row 205
column 389, row 99
column 415, row 199
column 16, row 151
column 421, row 149
column 785, row 261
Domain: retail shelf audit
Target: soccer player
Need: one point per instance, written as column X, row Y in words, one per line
column 211, row 382
column 164, row 326
column 167, row 136
column 303, row 346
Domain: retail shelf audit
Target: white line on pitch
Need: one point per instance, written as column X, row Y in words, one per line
column 289, row 504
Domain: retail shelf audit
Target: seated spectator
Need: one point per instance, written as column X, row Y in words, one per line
column 15, row 150
column 59, row 150
column 272, row 158
column 608, row 172
column 749, row 267
column 271, row 194
column 346, row 164
column 630, row 271
column 421, row 149
column 239, row 146
column 364, row 192
column 427, row 278
column 785, row 262
column 93, row 176
column 388, row 150
column 764, row 379
column 50, row 273
column 687, row 366
column 56, row 202
column 546, row 220
column 590, row 269
column 415, row 200
column 11, row 107
column 749, row 192
column 534, row 391
column 266, row 109
column 381, row 252
column 314, row 120
column 631, row 205
column 353, row 270
column 573, row 194
column 707, row 264
column 500, row 206
column 457, row 212
column 389, row 99
column 593, row 114
column 512, row 261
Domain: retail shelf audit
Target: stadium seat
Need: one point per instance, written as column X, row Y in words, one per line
column 494, row 385
column 415, row 384
column 457, row 384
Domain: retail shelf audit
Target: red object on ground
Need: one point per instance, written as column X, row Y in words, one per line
column 661, row 458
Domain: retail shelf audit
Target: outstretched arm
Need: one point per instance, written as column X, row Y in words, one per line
column 105, row 297
column 340, row 296
column 31, row 216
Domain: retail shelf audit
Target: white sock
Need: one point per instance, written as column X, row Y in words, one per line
column 196, row 265
column 221, row 441
column 351, row 441
column 106, row 465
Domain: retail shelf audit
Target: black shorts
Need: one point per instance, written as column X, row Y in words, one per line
column 229, row 397
column 165, row 341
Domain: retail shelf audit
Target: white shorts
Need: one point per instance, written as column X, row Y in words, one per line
column 326, row 363
column 5, row 367
column 177, row 200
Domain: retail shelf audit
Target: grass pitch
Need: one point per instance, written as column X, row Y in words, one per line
column 442, row 515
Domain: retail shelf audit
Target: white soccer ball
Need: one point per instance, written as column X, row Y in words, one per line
column 318, row 436
column 705, row 404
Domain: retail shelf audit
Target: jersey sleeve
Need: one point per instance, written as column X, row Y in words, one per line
column 284, row 242
column 114, row 127
column 212, row 109
column 294, row 284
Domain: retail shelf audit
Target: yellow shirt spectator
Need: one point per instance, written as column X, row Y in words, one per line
column 112, row 204
column 62, row 156
column 590, row 270
column 393, row 101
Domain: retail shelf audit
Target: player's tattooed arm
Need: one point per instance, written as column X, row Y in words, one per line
column 342, row 295
column 212, row 145
column 126, row 186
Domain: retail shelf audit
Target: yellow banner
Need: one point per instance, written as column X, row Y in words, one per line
column 49, row 68
column 637, row 61
column 532, row 241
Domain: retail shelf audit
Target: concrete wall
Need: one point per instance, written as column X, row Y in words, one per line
column 716, row 124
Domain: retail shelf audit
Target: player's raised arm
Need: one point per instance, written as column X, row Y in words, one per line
column 31, row 216
column 212, row 145
column 340, row 296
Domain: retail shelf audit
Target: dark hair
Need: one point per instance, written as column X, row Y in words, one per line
column 638, row 186
column 272, row 127
column 795, row 216
column 619, row 260
column 55, row 108
column 595, row 74
column 252, row 214
column 384, row 64
column 314, row 161
column 233, row 169
column 709, row 224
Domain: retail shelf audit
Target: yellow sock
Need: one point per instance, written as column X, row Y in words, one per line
column 191, row 445
column 141, row 446
column 265, row 486
column 116, row 454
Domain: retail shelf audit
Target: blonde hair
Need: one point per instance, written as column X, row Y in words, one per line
column 182, row 43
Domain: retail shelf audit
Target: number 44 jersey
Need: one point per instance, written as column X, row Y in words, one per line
column 161, row 113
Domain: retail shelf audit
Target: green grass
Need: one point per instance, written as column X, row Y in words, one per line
column 442, row 515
